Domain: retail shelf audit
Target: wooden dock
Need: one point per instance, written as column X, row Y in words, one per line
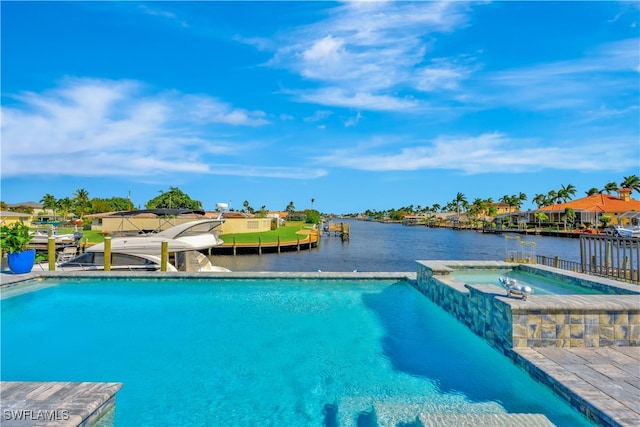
column 59, row 404
column 340, row 229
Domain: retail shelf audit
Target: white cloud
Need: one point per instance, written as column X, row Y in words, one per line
column 353, row 121
column 366, row 52
column 90, row 127
column 324, row 54
column 362, row 100
column 153, row 11
column 440, row 76
column 319, row 116
column 486, row 153
column 268, row 171
column 607, row 72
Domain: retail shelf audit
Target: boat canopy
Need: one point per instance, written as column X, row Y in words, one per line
column 156, row 212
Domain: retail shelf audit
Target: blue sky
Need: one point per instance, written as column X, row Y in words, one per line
column 358, row 105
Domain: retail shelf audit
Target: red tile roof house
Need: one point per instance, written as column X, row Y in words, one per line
column 622, row 209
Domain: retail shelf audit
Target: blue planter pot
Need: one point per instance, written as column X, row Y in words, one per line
column 21, row 262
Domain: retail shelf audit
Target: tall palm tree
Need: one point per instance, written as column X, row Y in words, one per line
column 566, row 192
column 540, row 200
column 632, row 182
column 290, row 208
column 522, row 197
column 81, row 201
column 49, row 202
column 65, row 205
column 592, row 191
column 609, row 187
column 460, row 200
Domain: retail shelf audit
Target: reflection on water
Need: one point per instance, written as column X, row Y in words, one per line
column 393, row 247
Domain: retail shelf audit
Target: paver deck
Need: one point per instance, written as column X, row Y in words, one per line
column 602, row 381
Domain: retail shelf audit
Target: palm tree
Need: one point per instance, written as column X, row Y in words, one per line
column 49, row 202
column 522, row 197
column 460, row 200
column 540, row 200
column 566, row 192
column 541, row 216
column 592, row 191
column 632, row 182
column 65, row 205
column 81, row 201
column 290, row 208
column 609, row 187
column 569, row 216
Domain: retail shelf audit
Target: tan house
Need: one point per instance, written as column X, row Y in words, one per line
column 129, row 222
column 502, row 207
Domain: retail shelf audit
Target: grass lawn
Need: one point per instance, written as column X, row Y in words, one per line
column 287, row 232
column 93, row 236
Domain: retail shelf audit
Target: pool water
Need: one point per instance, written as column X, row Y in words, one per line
column 289, row 353
column 541, row 285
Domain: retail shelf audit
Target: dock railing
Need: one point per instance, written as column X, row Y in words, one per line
column 606, row 256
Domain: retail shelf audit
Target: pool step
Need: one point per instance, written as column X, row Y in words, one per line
column 476, row 420
column 361, row 411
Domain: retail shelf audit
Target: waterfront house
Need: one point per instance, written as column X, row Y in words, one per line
column 588, row 210
column 8, row 218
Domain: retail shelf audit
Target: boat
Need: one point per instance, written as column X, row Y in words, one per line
column 516, row 288
column 184, row 243
column 627, row 231
column 41, row 237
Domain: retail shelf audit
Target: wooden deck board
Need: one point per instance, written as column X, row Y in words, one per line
column 59, row 404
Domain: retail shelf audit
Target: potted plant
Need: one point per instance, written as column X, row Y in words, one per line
column 14, row 239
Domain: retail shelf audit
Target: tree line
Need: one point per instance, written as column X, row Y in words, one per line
column 480, row 206
column 80, row 204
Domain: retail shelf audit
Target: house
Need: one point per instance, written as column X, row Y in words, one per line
column 588, row 210
column 128, row 222
column 502, row 208
column 8, row 218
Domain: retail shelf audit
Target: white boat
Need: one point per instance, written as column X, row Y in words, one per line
column 41, row 237
column 627, row 231
column 184, row 242
column 513, row 287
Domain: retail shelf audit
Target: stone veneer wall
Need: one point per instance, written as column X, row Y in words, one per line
column 553, row 320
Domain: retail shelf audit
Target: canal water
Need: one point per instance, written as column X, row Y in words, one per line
column 375, row 247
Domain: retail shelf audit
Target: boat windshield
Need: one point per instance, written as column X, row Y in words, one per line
column 118, row 261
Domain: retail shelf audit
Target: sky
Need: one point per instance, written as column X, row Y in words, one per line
column 335, row 106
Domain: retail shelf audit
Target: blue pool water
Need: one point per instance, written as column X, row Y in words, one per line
column 541, row 285
column 287, row 353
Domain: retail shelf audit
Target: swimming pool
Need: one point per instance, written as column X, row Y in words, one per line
column 542, row 282
column 541, row 285
column 275, row 352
